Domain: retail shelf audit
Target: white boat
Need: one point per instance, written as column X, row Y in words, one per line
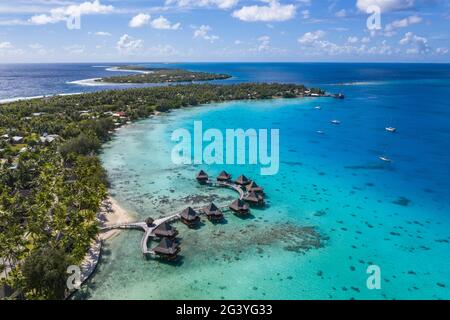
column 391, row 129
column 318, row 108
column 385, row 159
column 335, row 122
column 320, row 132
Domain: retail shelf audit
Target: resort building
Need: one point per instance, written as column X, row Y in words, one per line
column 202, row 177
column 224, row 177
column 242, row 181
column 213, row 213
column 167, row 249
column 253, row 187
column 240, row 207
column 16, row 139
column 189, row 217
column 165, row 230
column 254, row 199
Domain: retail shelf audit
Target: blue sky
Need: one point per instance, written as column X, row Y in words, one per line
column 224, row 30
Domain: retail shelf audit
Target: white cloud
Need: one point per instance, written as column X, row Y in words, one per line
column 341, row 13
column 385, row 5
column 442, row 51
column 163, row 23
column 129, row 45
column 203, row 32
column 221, row 4
column 365, row 40
column 6, row 45
column 63, row 13
column 264, row 43
column 352, row 39
column 274, row 11
column 102, row 34
column 403, row 23
column 306, row 14
column 139, row 20
column 311, row 37
column 419, row 44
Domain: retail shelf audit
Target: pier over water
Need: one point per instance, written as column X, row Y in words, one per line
column 241, row 186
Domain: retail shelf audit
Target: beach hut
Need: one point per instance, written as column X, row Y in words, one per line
column 167, row 249
column 149, row 221
column 224, row 177
column 240, row 207
column 213, row 213
column 254, row 199
column 202, row 177
column 253, row 187
column 165, row 230
column 242, row 180
column 189, row 217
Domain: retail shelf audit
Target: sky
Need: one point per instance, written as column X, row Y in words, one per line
column 224, row 30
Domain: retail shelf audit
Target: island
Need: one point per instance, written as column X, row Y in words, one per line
column 52, row 183
column 161, row 75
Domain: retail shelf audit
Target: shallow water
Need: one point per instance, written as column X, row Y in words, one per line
column 365, row 211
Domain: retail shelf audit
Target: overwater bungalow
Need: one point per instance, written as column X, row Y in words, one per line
column 213, row 213
column 165, row 230
column 202, row 177
column 167, row 249
column 240, row 207
column 242, row 181
column 253, row 187
column 224, row 177
column 254, row 199
column 189, row 217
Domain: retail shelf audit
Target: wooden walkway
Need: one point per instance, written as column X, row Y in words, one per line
column 149, row 230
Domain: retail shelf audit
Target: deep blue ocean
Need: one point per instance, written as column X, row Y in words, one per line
column 395, row 215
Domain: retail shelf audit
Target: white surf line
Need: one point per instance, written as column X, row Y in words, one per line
column 116, row 69
column 9, row 100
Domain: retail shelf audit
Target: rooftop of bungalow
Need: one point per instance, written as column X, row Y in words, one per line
column 189, row 214
column 212, row 210
column 242, row 180
column 253, row 186
column 239, row 205
column 165, row 230
column 167, row 247
column 224, row 176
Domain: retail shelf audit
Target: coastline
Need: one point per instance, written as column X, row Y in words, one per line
column 112, row 213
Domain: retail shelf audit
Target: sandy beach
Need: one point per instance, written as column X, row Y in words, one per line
column 112, row 213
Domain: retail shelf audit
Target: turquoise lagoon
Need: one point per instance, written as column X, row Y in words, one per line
column 364, row 211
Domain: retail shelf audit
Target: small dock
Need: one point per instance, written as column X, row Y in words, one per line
column 149, row 229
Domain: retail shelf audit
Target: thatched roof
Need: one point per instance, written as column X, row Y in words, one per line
column 224, row 176
column 167, row 246
column 202, row 175
column 213, row 210
column 239, row 204
column 165, row 230
column 254, row 187
column 189, row 214
column 242, row 180
column 253, row 197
